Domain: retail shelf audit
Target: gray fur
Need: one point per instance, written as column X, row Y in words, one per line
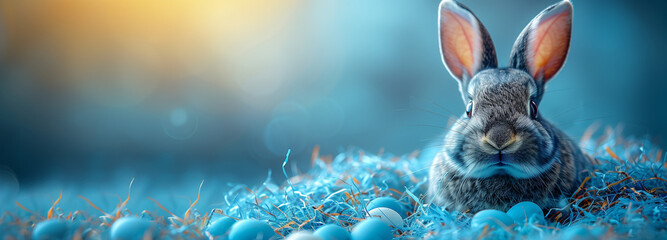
column 502, row 155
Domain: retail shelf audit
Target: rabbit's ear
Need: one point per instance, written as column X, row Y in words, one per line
column 465, row 44
column 542, row 46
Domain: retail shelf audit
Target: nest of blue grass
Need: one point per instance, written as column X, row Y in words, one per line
column 625, row 196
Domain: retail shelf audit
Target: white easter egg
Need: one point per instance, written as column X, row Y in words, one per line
column 388, row 216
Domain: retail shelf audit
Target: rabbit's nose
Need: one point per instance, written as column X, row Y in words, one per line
column 500, row 136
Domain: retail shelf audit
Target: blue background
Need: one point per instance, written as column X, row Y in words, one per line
column 344, row 75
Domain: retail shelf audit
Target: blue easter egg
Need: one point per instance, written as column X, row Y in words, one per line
column 526, row 211
column 332, row 232
column 129, row 228
column 577, row 232
column 303, row 235
column 50, row 230
column 250, row 229
column 220, row 226
column 91, row 233
column 493, row 218
column 372, row 229
column 388, row 203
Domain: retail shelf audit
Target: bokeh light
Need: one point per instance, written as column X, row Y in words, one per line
column 178, row 117
column 328, row 118
column 180, row 124
column 291, row 109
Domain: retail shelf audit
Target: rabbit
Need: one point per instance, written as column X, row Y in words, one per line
column 501, row 151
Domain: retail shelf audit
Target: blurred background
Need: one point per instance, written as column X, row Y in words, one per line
column 178, row 91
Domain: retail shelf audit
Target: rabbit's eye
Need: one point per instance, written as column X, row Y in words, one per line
column 469, row 109
column 533, row 109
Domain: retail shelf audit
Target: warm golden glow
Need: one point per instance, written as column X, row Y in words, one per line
column 162, row 38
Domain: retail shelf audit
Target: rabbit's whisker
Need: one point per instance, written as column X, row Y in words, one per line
column 438, row 105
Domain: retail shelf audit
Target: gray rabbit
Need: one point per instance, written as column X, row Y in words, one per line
column 501, row 151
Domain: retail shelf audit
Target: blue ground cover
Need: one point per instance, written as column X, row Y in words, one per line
column 625, row 197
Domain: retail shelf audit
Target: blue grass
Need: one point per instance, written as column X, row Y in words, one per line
column 626, row 196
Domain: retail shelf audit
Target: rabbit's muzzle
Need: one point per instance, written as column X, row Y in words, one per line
column 500, row 136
